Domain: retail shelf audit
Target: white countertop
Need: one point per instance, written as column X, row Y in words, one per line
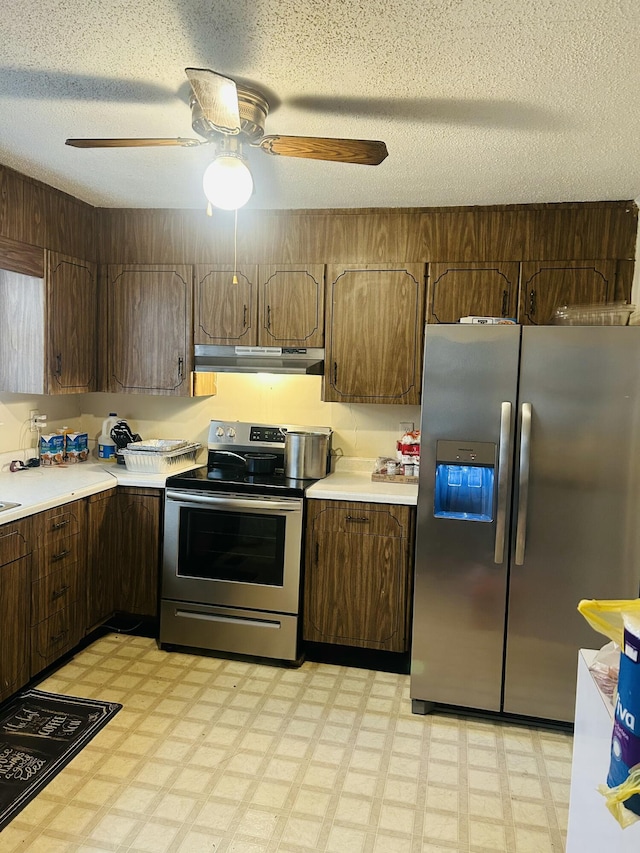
column 351, row 481
column 37, row 489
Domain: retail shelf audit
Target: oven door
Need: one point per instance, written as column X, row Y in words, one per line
column 232, row 550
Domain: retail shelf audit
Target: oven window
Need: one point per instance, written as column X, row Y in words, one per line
column 232, row 546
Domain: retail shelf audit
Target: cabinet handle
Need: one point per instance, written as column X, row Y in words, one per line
column 244, row 316
column 181, row 367
column 58, row 525
column 358, row 519
column 269, row 317
column 58, row 592
column 58, row 637
column 532, row 303
column 335, row 373
column 61, row 555
column 58, row 370
column 317, row 552
column 505, row 302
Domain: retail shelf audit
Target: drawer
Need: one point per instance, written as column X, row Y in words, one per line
column 54, row 592
column 364, row 518
column 54, row 636
column 60, row 522
column 59, row 554
column 15, row 540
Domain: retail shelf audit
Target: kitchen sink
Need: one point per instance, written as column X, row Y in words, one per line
column 7, row 505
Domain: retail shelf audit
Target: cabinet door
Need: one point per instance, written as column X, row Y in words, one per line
column 149, row 329
column 15, row 584
column 357, row 575
column 226, row 313
column 545, row 286
column 375, row 315
column 480, row 289
column 72, row 307
column 291, row 299
column 138, row 550
column 102, row 562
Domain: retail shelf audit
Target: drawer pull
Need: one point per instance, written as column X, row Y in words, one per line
column 61, row 555
column 58, row 637
column 60, row 524
column 58, row 592
column 358, row 519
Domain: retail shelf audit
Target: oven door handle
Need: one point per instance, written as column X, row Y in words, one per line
column 233, row 503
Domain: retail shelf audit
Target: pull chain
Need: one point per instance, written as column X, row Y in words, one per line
column 234, row 280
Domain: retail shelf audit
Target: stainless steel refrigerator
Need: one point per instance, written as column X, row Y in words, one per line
column 528, row 501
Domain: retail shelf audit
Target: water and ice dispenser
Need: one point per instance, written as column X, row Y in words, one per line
column 465, row 477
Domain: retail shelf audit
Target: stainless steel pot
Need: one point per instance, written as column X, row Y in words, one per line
column 305, row 455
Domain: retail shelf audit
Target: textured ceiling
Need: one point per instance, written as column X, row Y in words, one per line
column 478, row 101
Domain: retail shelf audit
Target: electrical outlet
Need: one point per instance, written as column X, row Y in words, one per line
column 36, row 420
column 406, row 426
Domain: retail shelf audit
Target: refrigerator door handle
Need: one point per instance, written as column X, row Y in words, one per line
column 503, row 480
column 523, row 483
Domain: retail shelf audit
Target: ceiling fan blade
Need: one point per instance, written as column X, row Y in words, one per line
column 132, row 143
column 367, row 152
column 218, row 99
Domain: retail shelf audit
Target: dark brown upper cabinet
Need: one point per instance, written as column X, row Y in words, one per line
column 277, row 305
column 48, row 340
column 458, row 290
column 375, row 316
column 545, row 286
column 72, row 288
column 226, row 313
column 291, row 305
column 149, row 328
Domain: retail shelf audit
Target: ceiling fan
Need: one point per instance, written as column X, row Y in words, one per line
column 230, row 115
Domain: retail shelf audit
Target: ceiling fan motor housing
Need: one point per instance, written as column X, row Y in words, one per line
column 252, row 107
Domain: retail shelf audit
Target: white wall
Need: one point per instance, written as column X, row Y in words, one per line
column 365, row 430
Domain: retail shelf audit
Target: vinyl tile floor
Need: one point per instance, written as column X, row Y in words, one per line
column 210, row 755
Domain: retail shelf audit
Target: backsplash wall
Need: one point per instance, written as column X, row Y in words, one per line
column 359, row 429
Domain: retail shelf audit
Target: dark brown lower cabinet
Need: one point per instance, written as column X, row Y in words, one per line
column 15, row 583
column 101, row 562
column 358, row 573
column 137, row 537
column 124, row 549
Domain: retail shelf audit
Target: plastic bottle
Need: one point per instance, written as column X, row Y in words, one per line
column 106, row 445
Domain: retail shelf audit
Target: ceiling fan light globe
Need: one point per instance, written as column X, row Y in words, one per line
column 227, row 182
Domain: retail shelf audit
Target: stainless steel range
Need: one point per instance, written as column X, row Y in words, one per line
column 233, row 536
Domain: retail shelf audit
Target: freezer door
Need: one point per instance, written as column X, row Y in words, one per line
column 468, row 411
column 577, row 534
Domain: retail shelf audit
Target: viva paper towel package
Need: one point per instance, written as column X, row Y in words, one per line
column 624, row 769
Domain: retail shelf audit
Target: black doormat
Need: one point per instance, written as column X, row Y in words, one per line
column 39, row 735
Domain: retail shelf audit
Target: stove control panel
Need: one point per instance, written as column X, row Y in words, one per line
column 267, row 433
column 236, row 435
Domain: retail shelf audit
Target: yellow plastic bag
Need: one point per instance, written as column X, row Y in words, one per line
column 605, row 616
column 615, row 798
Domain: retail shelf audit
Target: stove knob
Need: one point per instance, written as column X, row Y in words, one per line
column 231, row 433
column 219, row 432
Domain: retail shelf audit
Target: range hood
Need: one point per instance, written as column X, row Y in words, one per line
column 238, row 359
